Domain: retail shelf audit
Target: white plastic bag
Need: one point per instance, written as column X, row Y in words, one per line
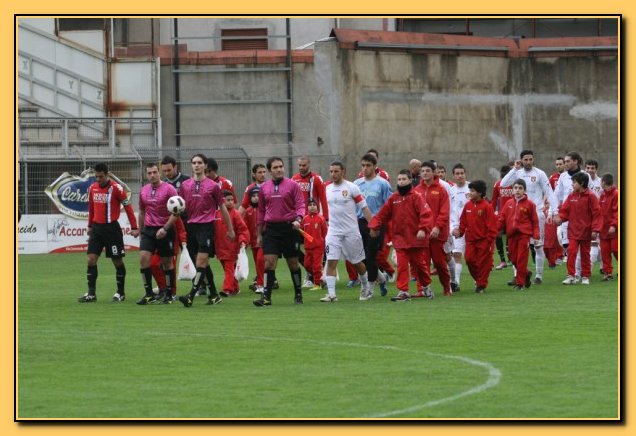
column 242, row 270
column 186, row 270
column 394, row 256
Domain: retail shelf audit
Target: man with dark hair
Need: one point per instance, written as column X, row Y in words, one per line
column 157, row 233
column 171, row 172
column 376, row 191
column 203, row 197
column 343, row 236
column 459, row 195
column 105, row 198
column 259, row 174
column 212, row 173
column 538, row 191
column 281, row 208
column 560, row 167
column 379, row 171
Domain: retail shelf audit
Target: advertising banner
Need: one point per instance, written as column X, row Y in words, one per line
column 61, row 234
column 69, row 193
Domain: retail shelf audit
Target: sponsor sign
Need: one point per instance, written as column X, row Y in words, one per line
column 69, row 193
column 61, row 234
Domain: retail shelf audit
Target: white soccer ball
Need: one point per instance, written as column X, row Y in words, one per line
column 176, row 205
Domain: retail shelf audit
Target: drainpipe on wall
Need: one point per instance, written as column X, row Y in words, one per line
column 177, row 108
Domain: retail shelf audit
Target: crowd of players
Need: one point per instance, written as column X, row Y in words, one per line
column 433, row 225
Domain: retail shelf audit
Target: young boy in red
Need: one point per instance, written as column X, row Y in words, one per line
column 315, row 225
column 581, row 208
column 412, row 222
column 479, row 223
column 227, row 250
column 180, row 238
column 257, row 252
column 609, row 227
column 519, row 219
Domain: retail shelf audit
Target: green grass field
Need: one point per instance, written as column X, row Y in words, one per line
column 548, row 352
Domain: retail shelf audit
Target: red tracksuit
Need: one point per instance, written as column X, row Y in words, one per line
column 583, row 212
column 437, row 199
column 551, row 244
column 257, row 251
column 478, row 223
column 180, row 236
column 609, row 217
column 409, row 214
column 227, row 250
column 519, row 219
column 316, row 226
column 312, row 186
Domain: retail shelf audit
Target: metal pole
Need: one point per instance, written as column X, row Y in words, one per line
column 177, row 109
column 26, row 187
column 290, row 134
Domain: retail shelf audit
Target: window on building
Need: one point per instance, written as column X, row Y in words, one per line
column 64, row 24
column 244, row 39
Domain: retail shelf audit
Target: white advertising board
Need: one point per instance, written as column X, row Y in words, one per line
column 61, row 234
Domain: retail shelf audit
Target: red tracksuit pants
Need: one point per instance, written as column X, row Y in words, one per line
column 436, row 253
column 518, row 252
column 158, row 274
column 259, row 263
column 351, row 271
column 478, row 257
column 586, row 262
column 416, row 259
column 230, row 284
column 313, row 263
column 382, row 259
column 609, row 247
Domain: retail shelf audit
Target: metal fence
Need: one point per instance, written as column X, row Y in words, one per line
column 234, row 163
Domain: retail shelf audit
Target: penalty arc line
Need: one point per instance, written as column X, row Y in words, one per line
column 494, row 374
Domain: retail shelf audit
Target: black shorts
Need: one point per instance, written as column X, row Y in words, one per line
column 280, row 238
column 163, row 246
column 109, row 237
column 201, row 238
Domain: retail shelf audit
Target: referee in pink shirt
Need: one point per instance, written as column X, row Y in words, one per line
column 281, row 208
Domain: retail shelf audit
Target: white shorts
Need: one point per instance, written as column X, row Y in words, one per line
column 541, row 217
column 348, row 246
column 564, row 233
column 459, row 245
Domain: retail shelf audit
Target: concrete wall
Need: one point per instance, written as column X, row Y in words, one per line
column 481, row 111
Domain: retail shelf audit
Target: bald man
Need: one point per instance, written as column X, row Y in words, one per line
column 415, row 166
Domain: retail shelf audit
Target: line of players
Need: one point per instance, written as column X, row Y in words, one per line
column 426, row 220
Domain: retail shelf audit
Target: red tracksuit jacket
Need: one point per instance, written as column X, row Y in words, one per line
column 409, row 214
column 519, row 217
column 609, row 212
column 314, row 183
column 501, row 195
column 250, row 221
column 583, row 212
column 316, row 226
column 478, row 221
column 225, row 248
column 436, row 197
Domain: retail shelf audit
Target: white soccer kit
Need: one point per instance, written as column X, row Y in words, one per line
column 343, row 236
column 459, row 196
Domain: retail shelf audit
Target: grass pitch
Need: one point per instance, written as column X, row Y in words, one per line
column 548, row 352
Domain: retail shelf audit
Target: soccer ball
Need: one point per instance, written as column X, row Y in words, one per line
column 175, row 205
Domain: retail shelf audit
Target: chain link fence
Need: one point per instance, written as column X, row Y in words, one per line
column 35, row 174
